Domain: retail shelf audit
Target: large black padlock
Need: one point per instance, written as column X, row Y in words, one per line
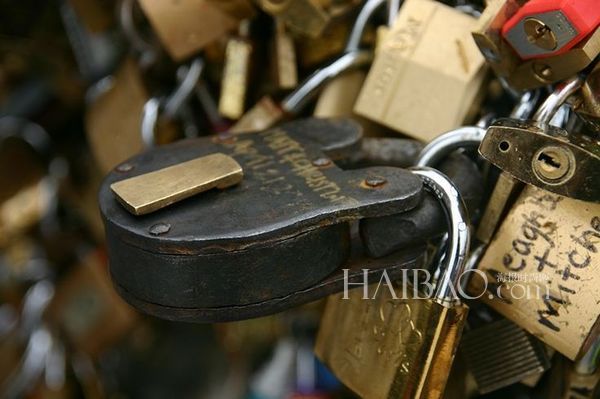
column 276, row 240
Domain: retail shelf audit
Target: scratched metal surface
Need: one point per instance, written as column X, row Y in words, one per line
column 283, row 229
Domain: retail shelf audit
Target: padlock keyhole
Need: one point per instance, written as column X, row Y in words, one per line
column 554, row 165
column 548, row 162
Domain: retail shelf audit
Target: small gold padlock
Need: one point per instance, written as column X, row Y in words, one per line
column 284, row 58
column 234, row 83
column 543, row 270
column 185, row 27
column 427, row 73
column 114, row 118
column 307, row 17
column 386, row 347
column 338, row 96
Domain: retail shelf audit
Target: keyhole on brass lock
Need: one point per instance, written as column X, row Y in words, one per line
column 554, row 165
column 540, row 34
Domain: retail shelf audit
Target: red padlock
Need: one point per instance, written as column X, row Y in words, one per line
column 543, row 28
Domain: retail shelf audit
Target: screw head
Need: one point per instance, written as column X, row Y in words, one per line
column 375, row 181
column 124, row 167
column 321, row 162
column 159, row 229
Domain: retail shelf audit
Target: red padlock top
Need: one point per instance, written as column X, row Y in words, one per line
column 584, row 15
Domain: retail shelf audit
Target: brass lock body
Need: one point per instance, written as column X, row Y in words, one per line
column 551, row 243
column 427, row 72
column 549, row 158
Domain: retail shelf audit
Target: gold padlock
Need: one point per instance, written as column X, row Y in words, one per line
column 307, row 17
column 542, row 267
column 338, row 96
column 114, row 117
column 284, row 58
column 234, row 83
column 427, row 73
column 187, row 26
column 386, row 347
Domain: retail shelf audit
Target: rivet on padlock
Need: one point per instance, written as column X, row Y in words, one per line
column 385, row 347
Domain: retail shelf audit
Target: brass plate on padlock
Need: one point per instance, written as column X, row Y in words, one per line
column 427, row 73
column 552, row 159
column 155, row 190
column 386, row 347
column 548, row 247
column 282, row 229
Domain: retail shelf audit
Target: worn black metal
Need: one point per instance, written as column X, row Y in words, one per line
column 393, row 265
column 384, row 235
column 281, row 230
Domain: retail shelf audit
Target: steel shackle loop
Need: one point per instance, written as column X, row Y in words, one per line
column 457, row 245
column 552, row 104
column 443, row 145
column 298, row 98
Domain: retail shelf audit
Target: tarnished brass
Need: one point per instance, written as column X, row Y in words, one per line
column 427, row 73
column 113, row 119
column 184, row 27
column 505, row 188
column 551, row 158
column 524, row 75
column 543, row 270
column 338, row 96
column 306, row 17
column 234, row 83
column 286, row 70
column 390, row 348
column 263, row 115
column 152, row 191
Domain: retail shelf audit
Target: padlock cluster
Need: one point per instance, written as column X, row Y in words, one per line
column 286, row 199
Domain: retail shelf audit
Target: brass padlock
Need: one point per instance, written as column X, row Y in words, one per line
column 338, row 96
column 284, row 58
column 186, row 27
column 542, row 267
column 234, row 83
column 26, row 194
column 114, row 117
column 427, row 73
column 307, row 17
column 539, row 70
column 548, row 157
column 384, row 347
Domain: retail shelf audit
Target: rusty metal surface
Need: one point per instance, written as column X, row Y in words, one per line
column 393, row 265
column 282, row 229
column 384, row 235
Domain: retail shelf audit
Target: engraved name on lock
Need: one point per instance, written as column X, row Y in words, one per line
column 558, row 237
